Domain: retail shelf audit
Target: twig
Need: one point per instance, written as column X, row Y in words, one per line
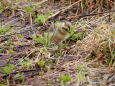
column 63, row 10
column 17, row 32
column 29, row 70
column 92, row 14
column 76, row 16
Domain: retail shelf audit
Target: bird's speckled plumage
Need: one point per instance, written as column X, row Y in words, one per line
column 60, row 32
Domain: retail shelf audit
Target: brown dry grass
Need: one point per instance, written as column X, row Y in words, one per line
column 100, row 43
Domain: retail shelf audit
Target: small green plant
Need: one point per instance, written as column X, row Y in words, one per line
column 82, row 68
column 41, row 19
column 65, row 78
column 55, row 47
column 41, row 63
column 11, row 66
column 49, row 83
column 20, row 35
column 111, row 60
column 29, row 9
column 41, row 73
column 43, row 39
column 72, row 30
column 81, row 76
column 19, row 76
column 58, row 47
column 9, row 43
column 78, row 41
column 82, row 71
column 2, row 85
column 4, row 29
column 26, row 63
column 8, row 69
column 74, row 36
column 1, row 7
column 11, row 51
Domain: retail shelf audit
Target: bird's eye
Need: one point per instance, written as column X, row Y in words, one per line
column 66, row 29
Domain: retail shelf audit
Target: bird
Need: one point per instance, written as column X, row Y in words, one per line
column 60, row 32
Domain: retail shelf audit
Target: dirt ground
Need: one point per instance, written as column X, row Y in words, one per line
column 87, row 60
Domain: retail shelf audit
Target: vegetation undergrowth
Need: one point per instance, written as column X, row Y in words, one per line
column 25, row 59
